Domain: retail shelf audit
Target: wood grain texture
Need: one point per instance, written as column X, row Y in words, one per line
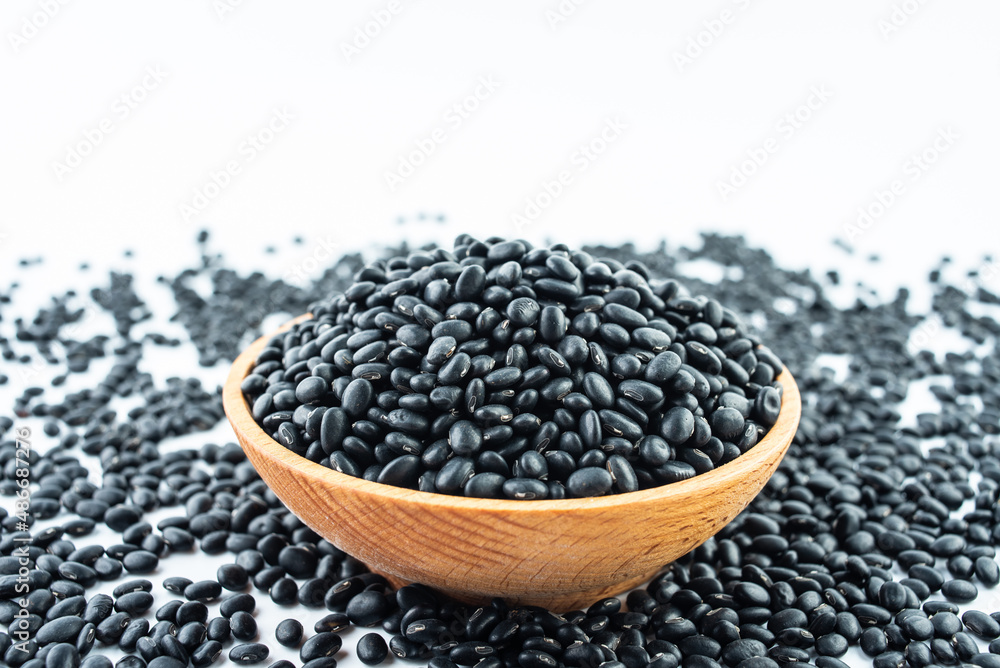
column 562, row 554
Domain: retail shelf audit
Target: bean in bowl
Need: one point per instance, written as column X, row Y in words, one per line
column 500, row 370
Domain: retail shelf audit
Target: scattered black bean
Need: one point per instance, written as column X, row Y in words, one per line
column 176, row 584
column 140, row 562
column 981, row 624
column 320, row 645
column 206, row 653
column 289, row 632
column 254, row 652
column 134, row 603
column 219, row 629
column 232, row 577
column 592, row 379
column 243, row 625
column 372, row 649
column 961, row 591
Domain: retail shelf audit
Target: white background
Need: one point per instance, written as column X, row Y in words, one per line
column 810, row 113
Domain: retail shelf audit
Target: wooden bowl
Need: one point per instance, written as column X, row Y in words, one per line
column 562, row 554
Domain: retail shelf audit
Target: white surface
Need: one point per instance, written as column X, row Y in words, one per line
column 263, row 100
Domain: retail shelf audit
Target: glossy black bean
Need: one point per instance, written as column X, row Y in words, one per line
column 219, row 629
column 140, row 562
column 243, row 625
column 137, row 628
column 367, row 608
column 987, row 571
column 206, row 653
column 97, row 609
column 59, row 630
column 961, row 591
column 192, row 635
column 134, row 603
column 110, row 630
column 236, row 603
column 917, row 627
column 249, row 653
column 176, row 584
column 320, row 645
column 981, row 624
column 205, row 590
column 232, row 577
column 524, row 488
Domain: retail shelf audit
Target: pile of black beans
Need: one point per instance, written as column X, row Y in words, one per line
column 500, row 370
column 876, row 533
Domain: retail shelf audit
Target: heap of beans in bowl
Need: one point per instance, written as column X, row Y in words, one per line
column 500, row 370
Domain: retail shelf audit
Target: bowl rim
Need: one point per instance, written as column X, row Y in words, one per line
column 237, row 409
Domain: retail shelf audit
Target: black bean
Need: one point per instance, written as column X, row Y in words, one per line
column 205, row 590
column 232, row 577
column 832, row 644
column 892, row 596
column 62, row 655
column 589, row 481
column 320, row 645
column 59, row 630
column 134, row 603
column 253, row 652
column 367, row 608
column 243, row 626
column 169, row 645
column 236, row 603
column 140, row 562
column 176, row 584
column 335, row 622
column 525, row 488
column 961, row 566
column 97, row 609
column 961, row 591
column 873, row 641
column 110, row 630
column 192, row 635
column 487, row 485
column 190, row 611
column 455, row 474
column 987, row 571
column 119, row 518
column 917, row 627
column 132, row 585
column 727, row 423
column 981, row 624
column 622, row 473
column 96, row 661
column 85, row 575
column 289, row 632
column 206, row 653
column 965, row 646
column 523, row 311
column 372, row 649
